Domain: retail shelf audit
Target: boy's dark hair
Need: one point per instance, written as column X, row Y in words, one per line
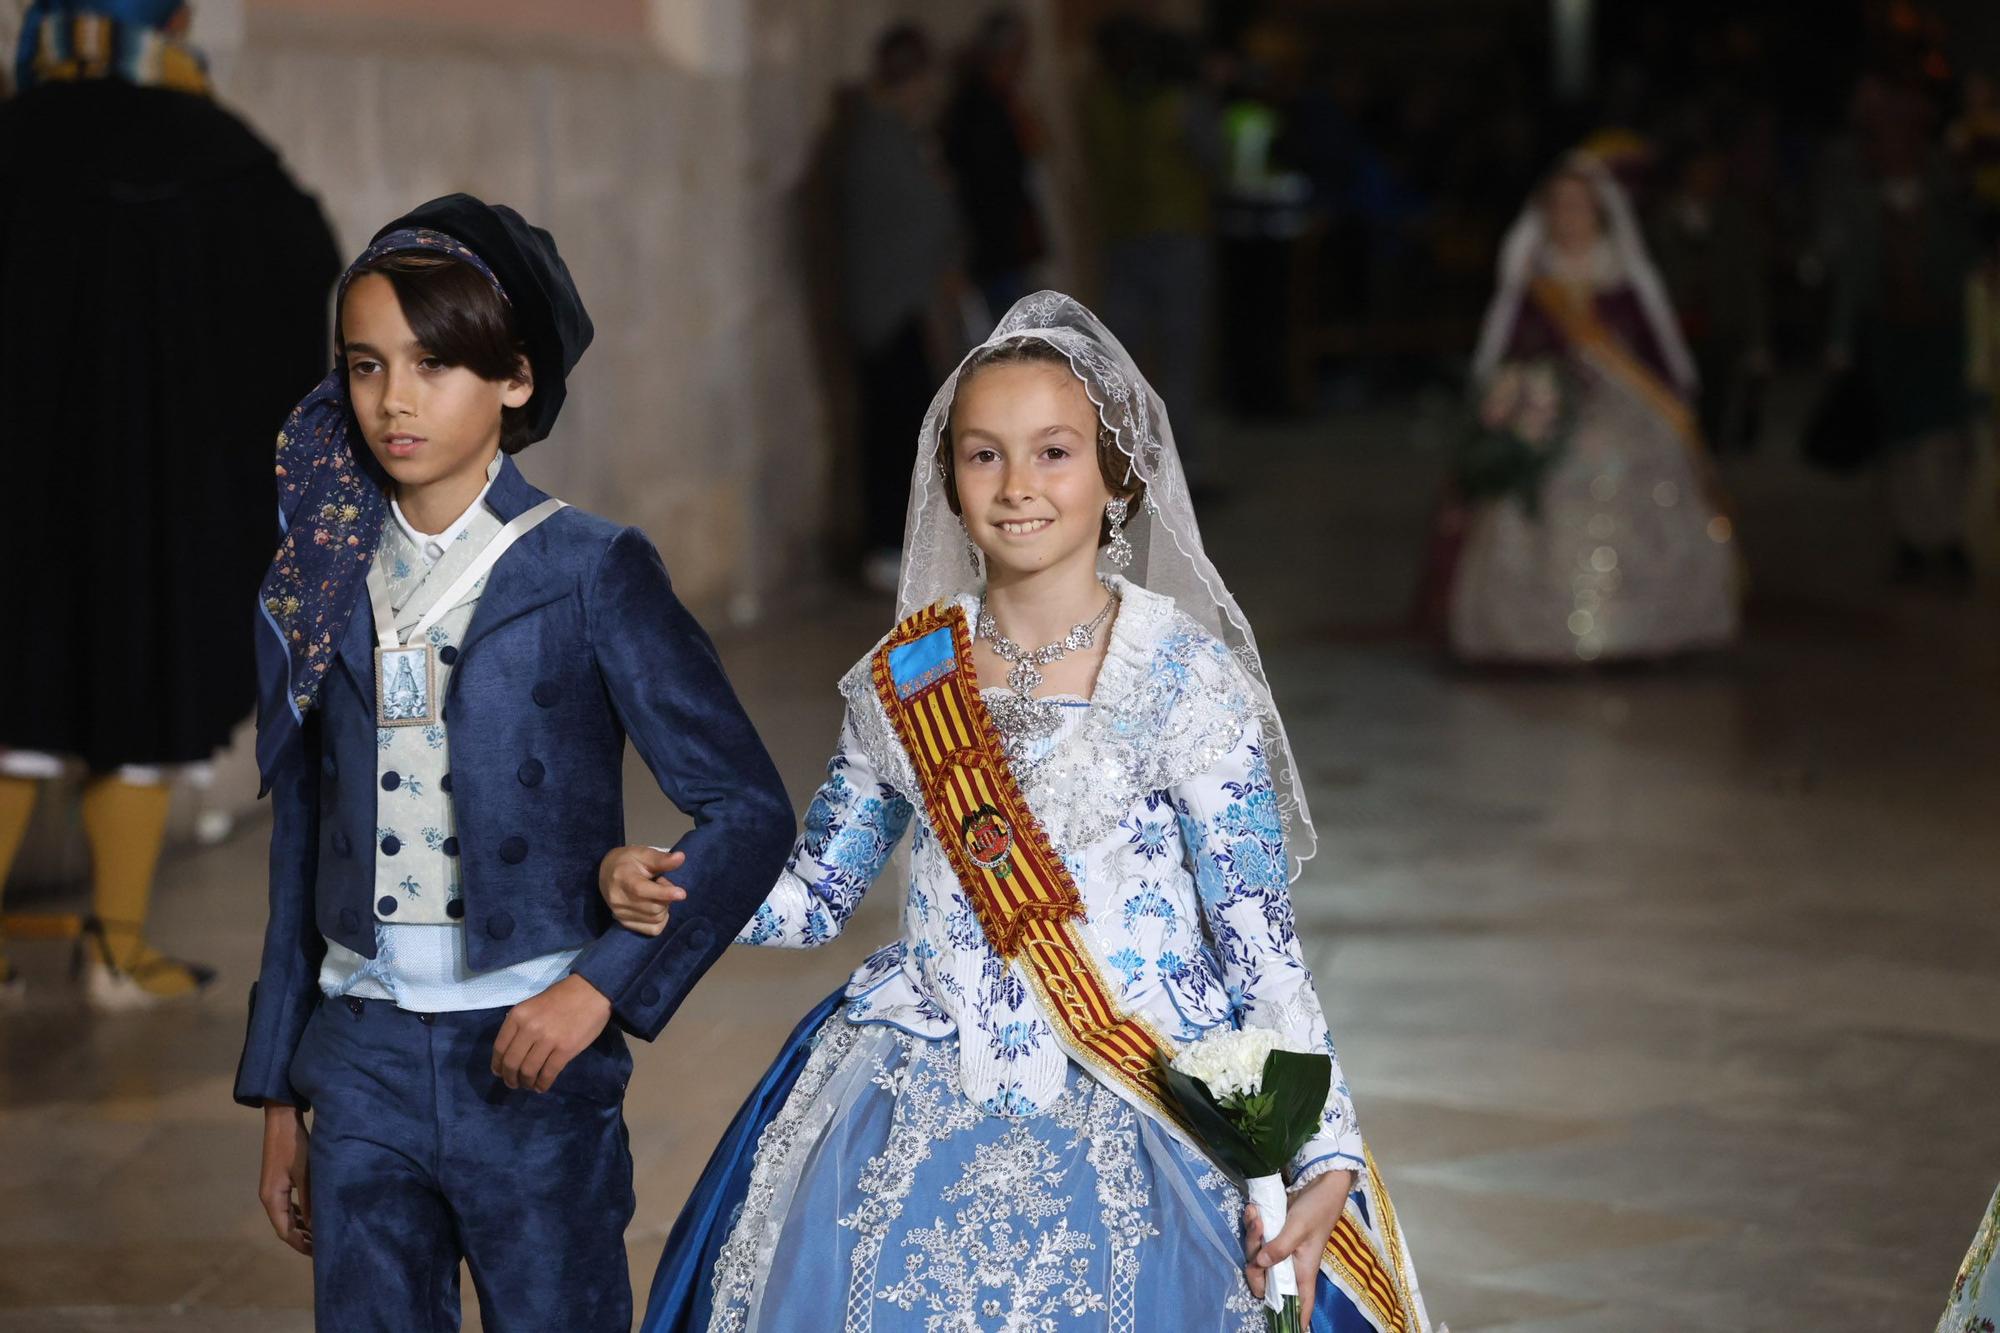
column 1113, row 463
column 456, row 314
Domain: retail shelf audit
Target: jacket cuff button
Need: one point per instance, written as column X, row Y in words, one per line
column 650, row 996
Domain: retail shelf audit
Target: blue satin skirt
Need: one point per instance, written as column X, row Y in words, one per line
column 900, row 1201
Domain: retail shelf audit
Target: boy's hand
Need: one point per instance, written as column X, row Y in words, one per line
column 543, row 1034
column 630, row 878
column 282, row 1184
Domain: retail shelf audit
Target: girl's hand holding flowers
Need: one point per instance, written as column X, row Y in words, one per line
column 1309, row 1220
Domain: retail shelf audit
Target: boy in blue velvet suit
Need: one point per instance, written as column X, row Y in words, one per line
column 453, row 664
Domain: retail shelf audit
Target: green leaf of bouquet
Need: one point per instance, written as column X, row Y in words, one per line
column 1211, row 1125
column 1297, row 1083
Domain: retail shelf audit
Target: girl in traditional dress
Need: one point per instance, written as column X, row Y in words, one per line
column 1624, row 549
column 971, row 1134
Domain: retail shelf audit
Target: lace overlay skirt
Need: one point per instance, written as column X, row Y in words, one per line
column 1626, row 558
column 881, row 1199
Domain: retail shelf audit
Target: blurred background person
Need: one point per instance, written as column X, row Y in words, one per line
column 992, row 137
column 1982, row 319
column 899, row 270
column 1606, row 540
column 142, row 227
column 1712, row 261
column 1899, row 321
column 1152, row 149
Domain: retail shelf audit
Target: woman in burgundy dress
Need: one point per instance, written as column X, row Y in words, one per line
column 1622, row 548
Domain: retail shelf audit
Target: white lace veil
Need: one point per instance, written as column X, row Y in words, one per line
column 1168, row 558
column 1524, row 252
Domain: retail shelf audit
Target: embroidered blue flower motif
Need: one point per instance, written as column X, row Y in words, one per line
column 434, row 736
column 384, row 737
column 764, row 926
column 1149, row 836
column 817, row 929
column 820, row 817
column 436, row 634
column 1255, row 865
column 1148, row 902
column 1009, row 1100
column 962, row 929
column 434, row 838
column 924, row 951
column 1129, row 962
column 1013, row 1040
column 410, row 887
column 1209, row 881
column 401, row 569
column 413, row 786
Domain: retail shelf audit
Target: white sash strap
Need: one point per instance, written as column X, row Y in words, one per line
column 378, row 582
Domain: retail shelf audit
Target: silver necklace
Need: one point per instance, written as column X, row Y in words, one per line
column 1026, row 674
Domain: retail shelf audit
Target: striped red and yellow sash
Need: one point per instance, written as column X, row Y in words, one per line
column 1578, row 320
column 1030, row 908
column 1026, row 902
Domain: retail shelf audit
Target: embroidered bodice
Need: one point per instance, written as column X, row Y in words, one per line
column 1156, row 794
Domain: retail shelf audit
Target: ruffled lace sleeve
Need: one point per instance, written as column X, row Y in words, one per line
column 853, row 824
column 1230, row 823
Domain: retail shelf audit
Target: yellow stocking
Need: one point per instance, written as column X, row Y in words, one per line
column 126, row 822
column 17, row 802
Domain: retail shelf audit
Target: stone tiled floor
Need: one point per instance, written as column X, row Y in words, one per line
column 1671, row 999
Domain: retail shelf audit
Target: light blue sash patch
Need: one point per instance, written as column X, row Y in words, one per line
column 923, row 662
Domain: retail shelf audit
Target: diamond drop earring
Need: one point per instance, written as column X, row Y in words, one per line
column 972, row 551
column 1118, row 554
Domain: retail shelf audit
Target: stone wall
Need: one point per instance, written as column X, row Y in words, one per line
column 664, row 143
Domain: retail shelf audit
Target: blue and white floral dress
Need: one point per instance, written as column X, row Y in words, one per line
column 925, row 1154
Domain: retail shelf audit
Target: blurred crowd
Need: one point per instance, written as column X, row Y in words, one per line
column 1287, row 208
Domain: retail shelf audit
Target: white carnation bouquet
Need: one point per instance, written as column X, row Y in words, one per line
column 1253, row 1106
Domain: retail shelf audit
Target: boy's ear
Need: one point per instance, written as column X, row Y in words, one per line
column 520, row 385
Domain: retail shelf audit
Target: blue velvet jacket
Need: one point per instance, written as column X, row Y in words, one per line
column 577, row 643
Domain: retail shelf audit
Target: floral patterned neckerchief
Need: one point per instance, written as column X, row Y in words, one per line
column 331, row 507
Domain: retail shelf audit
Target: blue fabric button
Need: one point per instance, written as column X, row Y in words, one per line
column 385, row 906
column 391, row 781
column 444, row 783
column 450, row 847
column 514, row 851
column 455, row 909
column 447, row 654
column 650, row 996
column 349, row 922
column 531, row 773
column 391, row 845
column 500, row 926
column 342, row 844
column 546, row 693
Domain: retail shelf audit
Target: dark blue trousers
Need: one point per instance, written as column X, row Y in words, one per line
column 421, row 1158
